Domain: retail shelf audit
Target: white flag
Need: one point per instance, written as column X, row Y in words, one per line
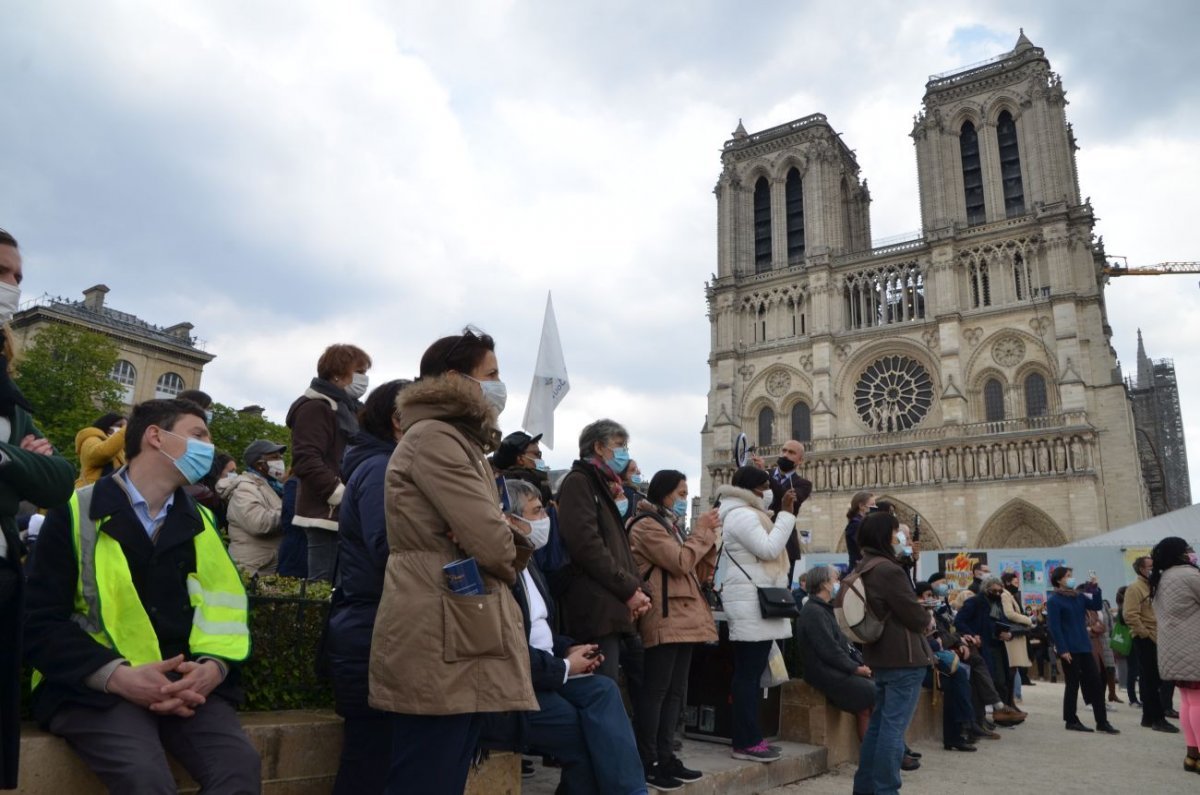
column 550, row 382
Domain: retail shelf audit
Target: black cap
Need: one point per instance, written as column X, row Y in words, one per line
column 512, row 447
column 259, row 448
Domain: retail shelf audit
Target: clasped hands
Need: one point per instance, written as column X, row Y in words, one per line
column 638, row 604
column 148, row 685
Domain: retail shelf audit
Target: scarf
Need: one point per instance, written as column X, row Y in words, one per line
column 607, row 477
column 347, row 407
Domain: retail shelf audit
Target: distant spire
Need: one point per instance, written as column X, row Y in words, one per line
column 740, row 132
column 1145, row 371
column 1023, row 42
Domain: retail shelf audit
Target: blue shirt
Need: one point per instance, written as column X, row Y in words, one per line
column 142, row 508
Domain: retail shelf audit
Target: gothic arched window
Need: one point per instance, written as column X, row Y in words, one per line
column 968, row 142
column 762, row 225
column 794, row 195
column 1036, row 403
column 993, row 400
column 801, row 422
column 1010, row 166
column 766, row 427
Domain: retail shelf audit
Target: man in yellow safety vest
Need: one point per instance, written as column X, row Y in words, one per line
column 136, row 619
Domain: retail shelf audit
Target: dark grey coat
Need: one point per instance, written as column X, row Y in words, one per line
column 828, row 665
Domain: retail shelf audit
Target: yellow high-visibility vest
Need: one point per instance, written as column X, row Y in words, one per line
column 108, row 608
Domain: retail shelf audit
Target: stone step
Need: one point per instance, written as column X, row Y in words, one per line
column 723, row 775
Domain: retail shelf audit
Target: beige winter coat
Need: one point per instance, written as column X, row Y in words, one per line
column 1018, row 650
column 1177, row 606
column 434, row 652
column 660, row 554
column 253, row 514
column 1138, row 611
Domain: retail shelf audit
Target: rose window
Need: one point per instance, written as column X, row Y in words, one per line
column 893, row 394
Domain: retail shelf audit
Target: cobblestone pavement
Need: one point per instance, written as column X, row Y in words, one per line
column 1041, row 756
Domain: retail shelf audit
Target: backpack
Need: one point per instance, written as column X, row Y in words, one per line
column 854, row 615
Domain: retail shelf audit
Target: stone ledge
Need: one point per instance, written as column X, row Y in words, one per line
column 299, row 748
column 807, row 717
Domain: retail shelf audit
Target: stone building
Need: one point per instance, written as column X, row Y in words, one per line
column 965, row 374
column 153, row 362
column 1159, row 425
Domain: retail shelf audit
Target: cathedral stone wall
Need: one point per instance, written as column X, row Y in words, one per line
column 966, row 373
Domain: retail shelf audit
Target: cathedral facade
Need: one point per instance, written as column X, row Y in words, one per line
column 966, row 374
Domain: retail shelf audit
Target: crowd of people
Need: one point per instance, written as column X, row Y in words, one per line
column 477, row 605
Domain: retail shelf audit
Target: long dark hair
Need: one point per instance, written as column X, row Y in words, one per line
column 856, row 503
column 663, row 483
column 876, row 531
column 1168, row 553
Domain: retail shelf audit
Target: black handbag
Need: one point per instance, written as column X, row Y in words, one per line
column 772, row 602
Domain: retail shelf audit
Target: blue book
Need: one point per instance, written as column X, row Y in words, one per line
column 463, row 577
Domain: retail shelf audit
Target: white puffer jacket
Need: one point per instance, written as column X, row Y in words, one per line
column 751, row 540
column 1177, row 608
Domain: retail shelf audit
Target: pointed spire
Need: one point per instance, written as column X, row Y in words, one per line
column 1023, row 42
column 1145, row 371
column 740, row 132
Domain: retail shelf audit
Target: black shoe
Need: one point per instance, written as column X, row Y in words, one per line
column 1076, row 726
column 526, row 768
column 1163, row 726
column 909, row 763
column 657, row 779
column 989, row 725
column 960, row 745
column 675, row 769
column 910, row 752
column 1170, row 713
column 1107, row 728
column 983, row 731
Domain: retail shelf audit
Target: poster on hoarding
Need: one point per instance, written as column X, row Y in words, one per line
column 1033, row 575
column 1034, row 602
column 957, row 566
column 1051, row 565
column 1006, row 564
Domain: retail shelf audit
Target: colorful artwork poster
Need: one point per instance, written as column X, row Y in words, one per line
column 957, row 566
column 1034, row 602
column 1033, row 575
column 1004, row 565
column 1051, row 565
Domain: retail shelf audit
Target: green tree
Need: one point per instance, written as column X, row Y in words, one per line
column 233, row 430
column 66, row 374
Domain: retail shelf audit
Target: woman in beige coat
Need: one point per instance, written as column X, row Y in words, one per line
column 440, row 660
column 255, row 500
column 672, row 569
column 1018, row 647
column 1175, row 590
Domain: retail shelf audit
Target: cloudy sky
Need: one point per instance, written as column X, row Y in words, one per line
column 289, row 174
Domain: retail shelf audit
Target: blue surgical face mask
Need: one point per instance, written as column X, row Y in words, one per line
column 837, row 586
column 941, row 589
column 1071, row 582
column 622, row 506
column 540, row 465
column 196, row 460
column 680, row 508
column 636, row 479
column 619, row 460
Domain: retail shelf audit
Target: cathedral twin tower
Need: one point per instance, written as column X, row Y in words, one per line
column 966, row 374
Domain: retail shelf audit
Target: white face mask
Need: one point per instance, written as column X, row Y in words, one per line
column 539, row 532
column 494, row 392
column 358, row 385
column 10, row 299
column 767, row 499
column 275, row 469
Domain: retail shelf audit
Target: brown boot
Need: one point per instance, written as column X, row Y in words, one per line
column 1008, row 715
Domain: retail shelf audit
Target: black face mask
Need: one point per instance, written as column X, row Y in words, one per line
column 785, row 464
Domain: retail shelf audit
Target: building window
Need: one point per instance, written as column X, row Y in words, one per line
column 893, row 394
column 766, row 427
column 125, row 374
column 1036, row 404
column 981, row 288
column 1010, row 166
column 993, row 400
column 893, row 294
column 794, row 194
column 801, row 422
column 169, row 385
column 968, row 142
column 762, row 225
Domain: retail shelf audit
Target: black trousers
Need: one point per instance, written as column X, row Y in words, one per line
column 749, row 661
column 1146, row 652
column 126, row 746
column 366, row 756
column 431, row 754
column 660, row 700
column 1081, row 672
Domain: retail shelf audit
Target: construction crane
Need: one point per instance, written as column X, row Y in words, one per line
column 1114, row 268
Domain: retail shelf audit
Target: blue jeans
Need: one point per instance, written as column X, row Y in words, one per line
column 896, row 693
column 584, row 724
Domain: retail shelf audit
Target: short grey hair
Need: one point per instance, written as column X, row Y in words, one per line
column 520, row 494
column 989, row 582
column 816, row 577
column 602, row 431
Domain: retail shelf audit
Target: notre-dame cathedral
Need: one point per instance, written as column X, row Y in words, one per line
column 965, row 375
